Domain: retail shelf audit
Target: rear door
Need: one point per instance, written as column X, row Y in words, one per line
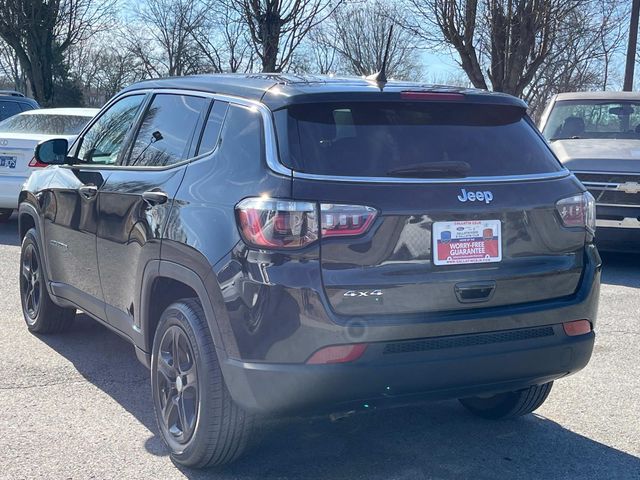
column 463, row 199
column 136, row 200
column 71, row 208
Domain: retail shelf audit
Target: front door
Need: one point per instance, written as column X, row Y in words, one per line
column 71, row 206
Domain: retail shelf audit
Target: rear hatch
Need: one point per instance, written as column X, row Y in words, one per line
column 462, row 201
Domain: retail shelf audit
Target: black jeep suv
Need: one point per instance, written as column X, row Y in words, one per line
column 278, row 245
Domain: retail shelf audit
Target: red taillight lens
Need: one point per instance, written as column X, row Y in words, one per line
column 345, row 220
column 577, row 327
column 271, row 223
column 338, row 354
column 578, row 211
column 36, row 164
column 275, row 223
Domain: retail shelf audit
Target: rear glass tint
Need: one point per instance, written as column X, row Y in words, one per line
column 432, row 140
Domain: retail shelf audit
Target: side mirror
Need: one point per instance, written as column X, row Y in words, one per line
column 52, row 152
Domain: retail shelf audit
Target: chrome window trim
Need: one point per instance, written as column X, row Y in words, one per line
column 593, row 172
column 468, row 180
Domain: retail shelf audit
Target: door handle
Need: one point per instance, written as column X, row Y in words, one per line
column 154, row 198
column 88, row 191
column 474, row 292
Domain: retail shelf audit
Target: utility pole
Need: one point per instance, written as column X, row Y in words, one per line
column 632, row 47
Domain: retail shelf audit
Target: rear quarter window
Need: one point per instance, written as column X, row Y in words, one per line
column 377, row 139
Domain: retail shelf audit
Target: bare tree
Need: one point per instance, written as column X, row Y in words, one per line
column 223, row 39
column 360, row 33
column 162, row 36
column 277, row 27
column 40, row 31
column 501, row 43
column 11, row 70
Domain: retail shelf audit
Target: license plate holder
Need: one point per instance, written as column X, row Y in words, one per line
column 467, row 242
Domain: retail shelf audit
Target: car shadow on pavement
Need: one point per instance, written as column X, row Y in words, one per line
column 9, row 232
column 621, row 269
column 439, row 440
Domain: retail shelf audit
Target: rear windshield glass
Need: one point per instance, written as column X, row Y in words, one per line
column 433, row 140
column 47, row 124
column 575, row 119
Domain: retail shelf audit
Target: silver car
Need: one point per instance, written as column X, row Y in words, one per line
column 597, row 136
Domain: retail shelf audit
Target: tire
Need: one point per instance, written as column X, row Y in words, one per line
column 202, row 426
column 39, row 311
column 509, row 404
column 5, row 214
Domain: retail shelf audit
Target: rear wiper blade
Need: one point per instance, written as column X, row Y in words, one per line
column 433, row 170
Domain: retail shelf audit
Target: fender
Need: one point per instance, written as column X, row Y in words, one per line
column 165, row 269
column 26, row 208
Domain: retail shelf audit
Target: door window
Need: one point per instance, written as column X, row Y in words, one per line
column 166, row 130
column 212, row 128
column 103, row 141
column 8, row 109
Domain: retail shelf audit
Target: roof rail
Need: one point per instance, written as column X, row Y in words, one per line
column 12, row 93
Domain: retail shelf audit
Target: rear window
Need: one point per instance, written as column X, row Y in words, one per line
column 430, row 140
column 46, row 124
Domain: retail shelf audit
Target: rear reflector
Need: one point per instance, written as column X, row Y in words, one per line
column 577, row 327
column 36, row 164
column 338, row 354
column 432, row 96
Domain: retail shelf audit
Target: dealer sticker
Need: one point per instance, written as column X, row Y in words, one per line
column 473, row 241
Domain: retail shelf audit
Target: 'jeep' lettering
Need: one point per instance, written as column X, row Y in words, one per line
column 485, row 196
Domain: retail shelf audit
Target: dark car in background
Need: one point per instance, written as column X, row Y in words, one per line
column 12, row 103
column 278, row 245
column 597, row 136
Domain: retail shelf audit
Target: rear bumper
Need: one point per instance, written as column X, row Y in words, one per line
column 530, row 348
column 10, row 187
column 618, row 228
column 281, row 389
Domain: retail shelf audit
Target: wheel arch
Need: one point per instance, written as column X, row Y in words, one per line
column 163, row 283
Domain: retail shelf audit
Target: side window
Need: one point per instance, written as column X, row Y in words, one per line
column 166, row 130
column 8, row 109
column 103, row 141
column 241, row 146
column 212, row 128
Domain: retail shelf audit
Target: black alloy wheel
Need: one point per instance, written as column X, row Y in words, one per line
column 31, row 284
column 177, row 384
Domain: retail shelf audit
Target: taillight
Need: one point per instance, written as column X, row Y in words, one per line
column 36, row 164
column 345, row 220
column 271, row 223
column 578, row 211
column 281, row 224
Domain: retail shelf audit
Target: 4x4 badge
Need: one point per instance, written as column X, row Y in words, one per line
column 363, row 293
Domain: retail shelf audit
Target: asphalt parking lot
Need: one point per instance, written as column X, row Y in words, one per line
column 78, row 406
